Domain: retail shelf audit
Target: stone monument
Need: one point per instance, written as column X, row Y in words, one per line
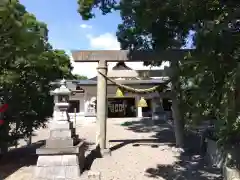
column 62, row 157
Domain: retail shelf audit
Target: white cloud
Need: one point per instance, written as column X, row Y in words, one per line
column 86, row 26
column 106, row 41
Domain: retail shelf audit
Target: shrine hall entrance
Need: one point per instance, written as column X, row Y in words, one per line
column 167, row 104
column 74, row 106
column 147, row 111
column 119, row 107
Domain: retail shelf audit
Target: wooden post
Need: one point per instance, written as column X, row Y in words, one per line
column 16, row 130
column 75, row 118
column 29, row 139
column 102, row 104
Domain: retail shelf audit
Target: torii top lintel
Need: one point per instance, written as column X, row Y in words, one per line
column 125, row 55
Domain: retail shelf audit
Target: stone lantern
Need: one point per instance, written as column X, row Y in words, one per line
column 61, row 98
column 62, row 157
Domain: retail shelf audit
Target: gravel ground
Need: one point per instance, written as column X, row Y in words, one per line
column 133, row 154
column 141, row 150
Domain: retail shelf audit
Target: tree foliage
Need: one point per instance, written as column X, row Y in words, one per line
column 80, row 77
column 215, row 73
column 86, row 7
column 28, row 64
column 210, row 75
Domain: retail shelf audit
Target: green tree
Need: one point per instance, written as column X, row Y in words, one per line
column 28, row 65
column 210, row 75
column 79, row 77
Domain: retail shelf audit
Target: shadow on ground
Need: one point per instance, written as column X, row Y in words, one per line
column 91, row 153
column 162, row 135
column 18, row 158
column 26, row 156
column 191, row 163
column 145, row 125
column 162, row 132
column 188, row 167
column 153, row 142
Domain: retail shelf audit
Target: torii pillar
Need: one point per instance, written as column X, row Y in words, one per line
column 102, row 105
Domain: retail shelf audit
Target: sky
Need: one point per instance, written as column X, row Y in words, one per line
column 68, row 31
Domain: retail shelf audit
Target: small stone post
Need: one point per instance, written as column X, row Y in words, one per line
column 63, row 155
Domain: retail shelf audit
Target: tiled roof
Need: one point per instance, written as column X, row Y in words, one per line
column 121, row 66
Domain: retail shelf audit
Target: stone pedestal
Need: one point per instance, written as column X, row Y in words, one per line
column 61, row 163
column 60, row 158
column 231, row 173
column 214, row 154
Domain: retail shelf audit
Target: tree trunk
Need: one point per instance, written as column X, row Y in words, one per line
column 5, row 140
column 177, row 116
column 29, row 137
column 29, row 140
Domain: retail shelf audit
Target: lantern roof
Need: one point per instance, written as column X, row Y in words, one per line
column 62, row 90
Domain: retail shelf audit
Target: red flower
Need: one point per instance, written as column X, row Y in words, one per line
column 1, row 122
column 3, row 108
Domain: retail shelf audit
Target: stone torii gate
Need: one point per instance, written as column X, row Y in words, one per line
column 104, row 56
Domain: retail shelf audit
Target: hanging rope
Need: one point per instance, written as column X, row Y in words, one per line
column 133, row 90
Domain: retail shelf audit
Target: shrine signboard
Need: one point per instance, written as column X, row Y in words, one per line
column 121, row 107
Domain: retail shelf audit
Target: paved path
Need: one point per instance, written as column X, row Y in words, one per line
column 141, row 150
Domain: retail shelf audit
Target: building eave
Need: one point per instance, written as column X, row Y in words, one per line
column 125, row 82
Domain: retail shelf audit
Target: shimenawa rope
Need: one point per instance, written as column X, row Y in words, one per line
column 133, row 90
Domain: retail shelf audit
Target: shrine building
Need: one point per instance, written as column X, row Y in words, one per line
column 84, row 92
